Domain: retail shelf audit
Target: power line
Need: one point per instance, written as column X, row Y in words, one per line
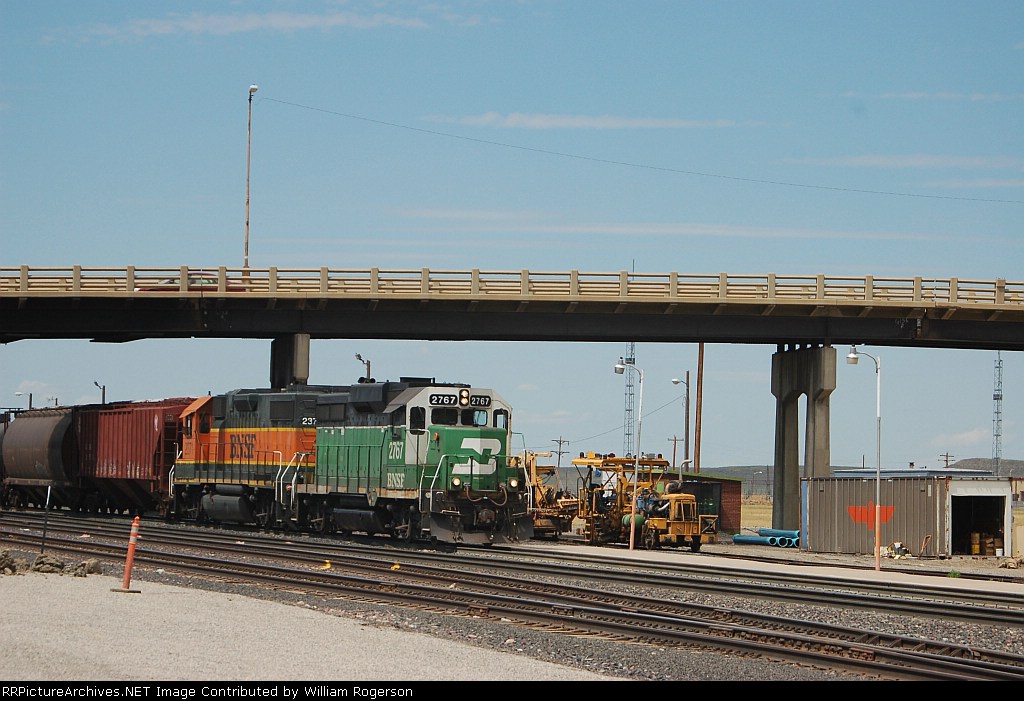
column 627, row 164
column 612, row 430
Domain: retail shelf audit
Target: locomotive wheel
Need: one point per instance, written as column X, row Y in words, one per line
column 411, row 527
column 319, row 519
column 264, row 512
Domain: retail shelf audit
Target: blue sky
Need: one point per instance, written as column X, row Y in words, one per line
column 850, row 139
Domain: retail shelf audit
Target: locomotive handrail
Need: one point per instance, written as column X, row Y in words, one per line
column 282, row 471
column 437, row 472
column 523, row 285
column 296, row 460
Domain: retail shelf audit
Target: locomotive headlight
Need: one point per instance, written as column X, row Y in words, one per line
column 513, row 483
column 463, row 397
column 456, row 482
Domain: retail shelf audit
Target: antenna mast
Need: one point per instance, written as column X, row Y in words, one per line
column 997, row 414
column 627, row 434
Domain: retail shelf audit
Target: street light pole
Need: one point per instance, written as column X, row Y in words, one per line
column 22, row 394
column 686, row 427
column 248, row 161
column 366, row 363
column 852, row 358
column 620, row 368
column 103, row 392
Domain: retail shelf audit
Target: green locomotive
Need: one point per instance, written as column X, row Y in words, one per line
column 414, row 459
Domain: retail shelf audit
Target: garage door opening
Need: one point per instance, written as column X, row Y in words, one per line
column 977, row 525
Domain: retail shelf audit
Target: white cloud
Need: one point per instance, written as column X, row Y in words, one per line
column 916, row 161
column 942, row 95
column 980, row 183
column 511, row 221
column 473, row 214
column 520, row 120
column 974, row 437
column 221, row 25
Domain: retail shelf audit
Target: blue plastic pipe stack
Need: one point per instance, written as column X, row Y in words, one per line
column 770, row 536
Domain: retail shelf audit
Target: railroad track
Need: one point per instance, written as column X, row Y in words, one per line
column 796, row 585
column 524, row 592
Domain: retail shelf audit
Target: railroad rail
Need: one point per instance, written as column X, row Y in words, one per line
column 461, row 589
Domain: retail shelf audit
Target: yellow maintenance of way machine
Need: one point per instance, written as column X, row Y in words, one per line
column 552, row 506
column 666, row 514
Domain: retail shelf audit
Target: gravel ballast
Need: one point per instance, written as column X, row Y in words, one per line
column 179, row 628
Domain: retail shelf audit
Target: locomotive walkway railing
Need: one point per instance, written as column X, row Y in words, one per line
column 571, row 286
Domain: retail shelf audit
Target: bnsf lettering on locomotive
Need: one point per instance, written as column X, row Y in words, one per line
column 243, row 446
column 395, row 480
column 395, row 449
column 444, row 400
column 480, row 400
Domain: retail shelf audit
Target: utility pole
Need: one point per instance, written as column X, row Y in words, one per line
column 947, row 457
column 700, row 394
column 558, row 459
column 674, row 441
column 558, row 464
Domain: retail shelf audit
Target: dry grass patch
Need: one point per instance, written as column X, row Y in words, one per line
column 755, row 513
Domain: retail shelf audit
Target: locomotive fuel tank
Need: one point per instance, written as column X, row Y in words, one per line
column 227, row 508
column 359, row 520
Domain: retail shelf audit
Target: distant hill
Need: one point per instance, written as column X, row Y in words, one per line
column 1007, row 468
column 759, row 479
column 749, row 473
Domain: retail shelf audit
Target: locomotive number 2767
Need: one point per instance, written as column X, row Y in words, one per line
column 395, row 450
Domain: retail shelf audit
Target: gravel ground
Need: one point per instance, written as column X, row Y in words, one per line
column 187, row 628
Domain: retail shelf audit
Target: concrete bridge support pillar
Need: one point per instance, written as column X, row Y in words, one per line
column 796, row 372
column 289, row 360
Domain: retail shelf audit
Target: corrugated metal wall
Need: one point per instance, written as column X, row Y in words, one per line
column 838, row 515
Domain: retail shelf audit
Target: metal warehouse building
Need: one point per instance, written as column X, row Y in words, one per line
column 932, row 513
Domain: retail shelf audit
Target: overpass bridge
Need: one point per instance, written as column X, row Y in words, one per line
column 124, row 304
column 804, row 316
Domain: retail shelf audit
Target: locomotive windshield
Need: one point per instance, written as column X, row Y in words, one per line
column 447, row 416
